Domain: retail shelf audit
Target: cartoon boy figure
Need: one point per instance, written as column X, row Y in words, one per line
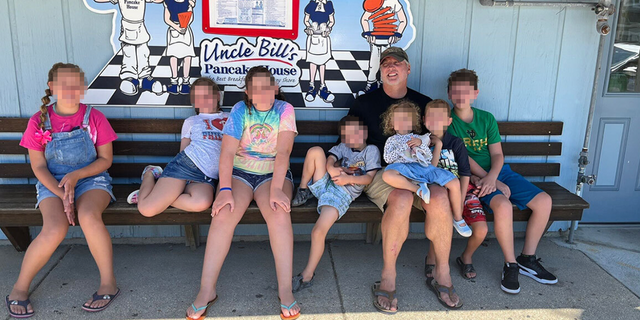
column 319, row 20
column 383, row 23
column 135, row 72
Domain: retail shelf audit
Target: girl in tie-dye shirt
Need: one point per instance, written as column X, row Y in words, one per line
column 254, row 165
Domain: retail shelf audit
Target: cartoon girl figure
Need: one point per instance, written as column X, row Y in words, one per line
column 319, row 20
column 178, row 15
column 383, row 23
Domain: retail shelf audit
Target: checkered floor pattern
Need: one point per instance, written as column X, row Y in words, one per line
column 345, row 75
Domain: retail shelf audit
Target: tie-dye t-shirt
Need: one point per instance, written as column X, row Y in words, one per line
column 258, row 134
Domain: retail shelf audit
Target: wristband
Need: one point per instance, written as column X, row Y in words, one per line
column 226, row 188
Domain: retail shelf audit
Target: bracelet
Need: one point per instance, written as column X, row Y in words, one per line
column 226, row 188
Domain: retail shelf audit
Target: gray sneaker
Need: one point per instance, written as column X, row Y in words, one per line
column 301, row 197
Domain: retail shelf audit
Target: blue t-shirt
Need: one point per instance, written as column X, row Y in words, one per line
column 175, row 8
column 319, row 16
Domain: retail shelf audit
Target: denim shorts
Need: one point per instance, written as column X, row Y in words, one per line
column 330, row 194
column 419, row 173
column 100, row 181
column 181, row 167
column 522, row 191
column 256, row 180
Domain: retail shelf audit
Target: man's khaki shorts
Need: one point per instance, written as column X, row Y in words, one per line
column 378, row 192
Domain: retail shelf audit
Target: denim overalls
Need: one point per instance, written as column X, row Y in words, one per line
column 70, row 151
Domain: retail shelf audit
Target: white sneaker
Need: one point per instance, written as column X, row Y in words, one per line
column 157, row 171
column 133, row 197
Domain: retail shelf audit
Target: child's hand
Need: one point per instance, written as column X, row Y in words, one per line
column 335, row 171
column 69, row 211
column 487, row 186
column 503, row 188
column 68, row 183
column 224, row 198
column 414, row 142
column 277, row 198
column 348, row 171
column 342, row 179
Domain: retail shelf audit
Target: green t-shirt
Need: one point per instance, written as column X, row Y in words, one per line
column 477, row 135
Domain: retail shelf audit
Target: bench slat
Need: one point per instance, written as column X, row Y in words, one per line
column 529, row 128
column 21, row 212
column 128, row 170
column 170, row 148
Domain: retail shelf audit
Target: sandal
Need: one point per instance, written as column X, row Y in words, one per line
column 437, row 288
column 465, row 269
column 375, row 289
column 298, row 283
column 463, row 228
column 206, row 309
column 424, row 193
column 428, row 268
column 283, row 317
column 97, row 297
column 22, row 303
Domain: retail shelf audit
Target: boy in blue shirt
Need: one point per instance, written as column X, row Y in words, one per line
column 497, row 186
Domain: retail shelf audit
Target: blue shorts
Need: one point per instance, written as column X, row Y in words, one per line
column 256, row 180
column 330, row 194
column 100, row 181
column 181, row 167
column 522, row 191
column 419, row 173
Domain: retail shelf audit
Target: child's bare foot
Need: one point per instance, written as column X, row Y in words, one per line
column 202, row 300
column 19, row 296
column 292, row 309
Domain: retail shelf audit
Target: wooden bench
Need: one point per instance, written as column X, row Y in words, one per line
column 17, row 201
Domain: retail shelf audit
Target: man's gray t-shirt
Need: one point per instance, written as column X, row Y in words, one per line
column 360, row 162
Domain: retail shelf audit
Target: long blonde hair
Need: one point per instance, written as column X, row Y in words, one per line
column 53, row 72
column 401, row 106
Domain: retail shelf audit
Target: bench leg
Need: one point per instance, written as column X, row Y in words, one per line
column 547, row 227
column 192, row 236
column 20, row 237
column 374, row 234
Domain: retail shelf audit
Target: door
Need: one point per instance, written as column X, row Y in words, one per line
column 615, row 136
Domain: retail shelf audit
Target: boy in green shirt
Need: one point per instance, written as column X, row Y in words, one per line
column 497, row 186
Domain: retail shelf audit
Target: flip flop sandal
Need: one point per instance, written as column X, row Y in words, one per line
column 97, row 297
column 465, row 269
column 298, row 283
column 437, row 289
column 375, row 289
column 428, row 268
column 22, row 303
column 205, row 308
column 283, row 317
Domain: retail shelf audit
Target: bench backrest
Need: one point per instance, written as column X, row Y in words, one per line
column 123, row 169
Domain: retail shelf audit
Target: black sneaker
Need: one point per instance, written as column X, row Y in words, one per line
column 509, row 282
column 531, row 267
column 301, row 197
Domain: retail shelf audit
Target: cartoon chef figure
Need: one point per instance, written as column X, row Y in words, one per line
column 135, row 72
column 383, row 23
column 319, row 20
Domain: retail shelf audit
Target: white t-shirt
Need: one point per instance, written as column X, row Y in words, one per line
column 205, row 132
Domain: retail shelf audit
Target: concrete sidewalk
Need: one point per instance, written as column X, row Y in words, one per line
column 160, row 282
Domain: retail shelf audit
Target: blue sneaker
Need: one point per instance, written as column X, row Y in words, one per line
column 311, row 94
column 326, row 95
column 129, row 86
column 184, row 89
column 371, row 85
column 148, row 84
column 173, row 88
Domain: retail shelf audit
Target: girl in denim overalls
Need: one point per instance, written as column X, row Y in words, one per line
column 70, row 150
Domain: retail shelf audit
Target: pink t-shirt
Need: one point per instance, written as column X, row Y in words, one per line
column 100, row 130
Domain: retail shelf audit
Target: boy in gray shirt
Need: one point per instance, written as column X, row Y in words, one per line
column 334, row 186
